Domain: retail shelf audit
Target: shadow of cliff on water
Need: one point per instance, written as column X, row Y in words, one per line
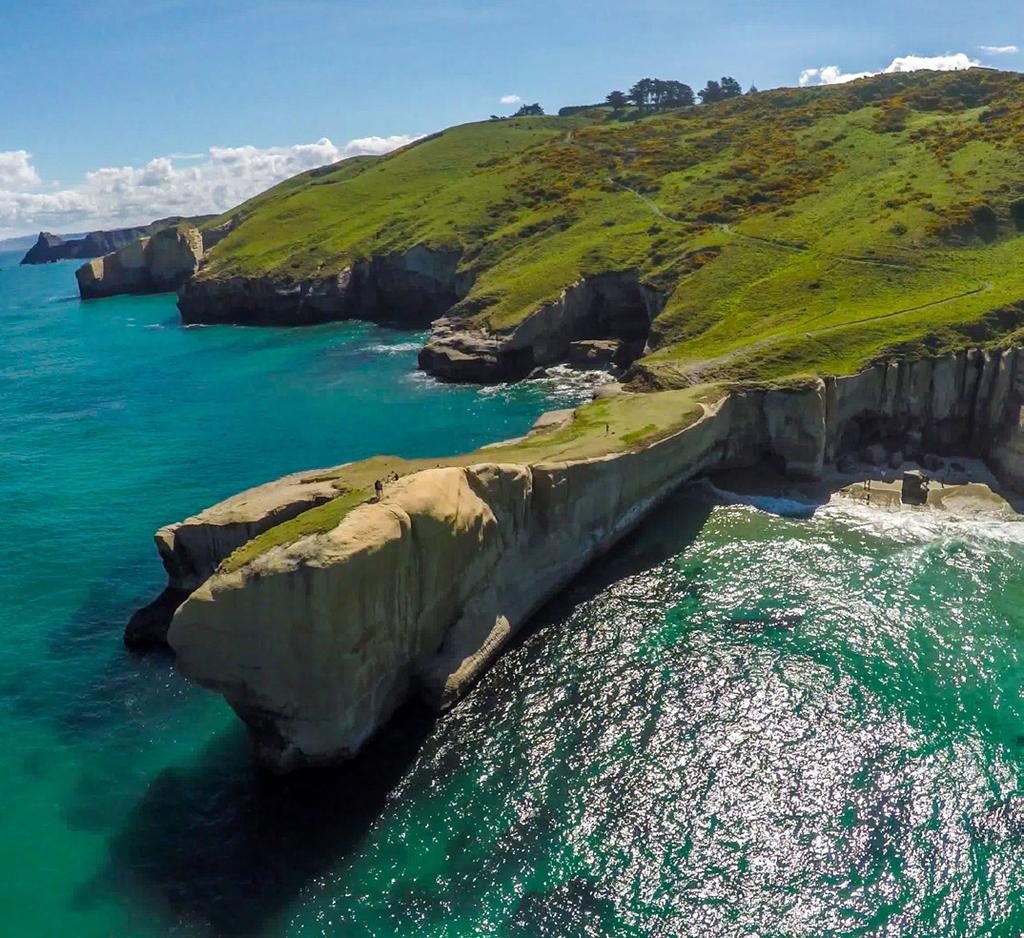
column 102, row 686
column 667, row 532
column 222, row 846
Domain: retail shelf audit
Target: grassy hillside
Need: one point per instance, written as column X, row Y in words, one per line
column 792, row 231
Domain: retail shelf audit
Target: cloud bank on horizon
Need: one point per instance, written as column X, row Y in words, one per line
column 178, row 184
column 834, row 75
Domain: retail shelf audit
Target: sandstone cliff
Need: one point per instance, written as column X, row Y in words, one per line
column 418, row 288
column 157, row 264
column 51, row 247
column 409, row 289
column 316, row 641
column 190, row 550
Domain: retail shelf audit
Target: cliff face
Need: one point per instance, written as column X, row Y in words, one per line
column 158, row 264
column 190, row 550
column 315, row 643
column 409, row 289
column 419, row 591
column 613, row 306
column 51, row 247
column 417, row 287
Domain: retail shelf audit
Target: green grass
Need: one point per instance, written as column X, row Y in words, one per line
column 793, row 231
column 322, row 518
column 601, row 428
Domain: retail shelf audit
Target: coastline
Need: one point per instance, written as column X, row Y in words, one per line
column 970, row 491
column 316, row 628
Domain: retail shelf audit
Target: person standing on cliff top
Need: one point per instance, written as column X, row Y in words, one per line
column 378, row 487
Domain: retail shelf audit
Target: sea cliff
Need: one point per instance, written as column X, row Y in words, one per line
column 50, row 247
column 160, row 261
column 409, row 289
column 315, row 638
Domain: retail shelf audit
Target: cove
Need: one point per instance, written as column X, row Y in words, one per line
column 736, row 723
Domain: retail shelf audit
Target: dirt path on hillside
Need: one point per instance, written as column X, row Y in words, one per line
column 697, row 372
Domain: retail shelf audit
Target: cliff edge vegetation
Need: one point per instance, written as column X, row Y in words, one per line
column 785, row 232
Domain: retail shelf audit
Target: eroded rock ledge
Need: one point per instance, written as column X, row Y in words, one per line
column 315, row 643
column 410, row 289
column 604, row 319
column 157, row 264
column 613, row 306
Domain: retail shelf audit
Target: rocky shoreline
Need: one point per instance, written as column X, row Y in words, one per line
column 315, row 642
column 159, row 263
column 409, row 289
column 600, row 320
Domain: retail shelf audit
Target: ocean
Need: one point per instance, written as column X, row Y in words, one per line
column 739, row 723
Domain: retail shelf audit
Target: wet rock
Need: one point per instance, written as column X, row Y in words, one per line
column 895, row 459
column 875, row 455
column 912, row 444
column 613, row 307
column 847, row 463
column 593, row 353
column 608, row 389
column 932, row 462
column 147, row 628
column 915, row 487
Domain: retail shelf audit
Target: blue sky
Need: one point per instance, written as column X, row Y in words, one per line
column 117, row 83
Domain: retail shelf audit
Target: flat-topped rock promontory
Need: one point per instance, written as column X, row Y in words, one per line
column 50, row 247
column 317, row 609
column 796, row 278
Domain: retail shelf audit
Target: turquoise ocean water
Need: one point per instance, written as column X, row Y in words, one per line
column 738, row 724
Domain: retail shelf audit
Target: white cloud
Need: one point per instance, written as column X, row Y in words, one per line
column 829, row 75
column 16, row 172
column 179, row 184
column 510, row 99
column 376, row 146
column 833, row 75
column 999, row 50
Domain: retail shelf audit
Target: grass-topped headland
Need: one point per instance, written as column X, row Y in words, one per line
column 790, row 231
column 602, row 428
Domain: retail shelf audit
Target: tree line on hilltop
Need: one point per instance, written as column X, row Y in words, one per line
column 655, row 94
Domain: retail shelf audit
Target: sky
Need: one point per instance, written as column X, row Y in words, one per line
column 116, row 112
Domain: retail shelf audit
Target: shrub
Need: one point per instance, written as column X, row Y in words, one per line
column 1017, row 213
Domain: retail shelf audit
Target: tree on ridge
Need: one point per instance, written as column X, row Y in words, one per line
column 720, row 90
column 618, row 100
